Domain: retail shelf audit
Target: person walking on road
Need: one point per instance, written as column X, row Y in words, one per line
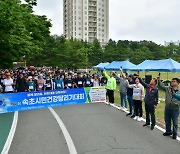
column 111, row 86
column 151, row 101
column 172, row 106
column 138, row 96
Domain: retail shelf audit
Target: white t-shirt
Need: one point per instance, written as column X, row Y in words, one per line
column 96, row 83
column 8, row 84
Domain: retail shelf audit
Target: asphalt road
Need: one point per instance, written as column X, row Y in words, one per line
column 94, row 129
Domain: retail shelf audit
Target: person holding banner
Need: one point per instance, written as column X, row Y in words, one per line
column 58, row 82
column 95, row 81
column 111, row 86
column 31, row 86
column 48, row 83
column 87, row 81
column 79, row 81
column 21, row 85
column 3, row 76
column 68, row 84
column 40, row 83
column 8, row 84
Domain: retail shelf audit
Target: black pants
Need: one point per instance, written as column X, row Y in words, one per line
column 110, row 94
column 8, row 92
column 150, row 111
column 138, row 108
column 48, row 88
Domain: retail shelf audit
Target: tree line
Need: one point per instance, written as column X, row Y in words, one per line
column 25, row 36
column 75, row 53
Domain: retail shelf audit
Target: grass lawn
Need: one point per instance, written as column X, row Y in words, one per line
column 160, row 108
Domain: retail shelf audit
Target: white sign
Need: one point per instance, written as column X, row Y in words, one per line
column 97, row 94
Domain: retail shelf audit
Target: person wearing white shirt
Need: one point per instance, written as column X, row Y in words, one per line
column 95, row 81
column 8, row 83
column 138, row 96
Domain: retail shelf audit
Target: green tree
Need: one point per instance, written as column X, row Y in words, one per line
column 95, row 54
column 20, row 31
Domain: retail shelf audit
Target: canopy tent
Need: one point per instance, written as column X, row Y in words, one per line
column 100, row 66
column 166, row 65
column 115, row 65
column 146, row 65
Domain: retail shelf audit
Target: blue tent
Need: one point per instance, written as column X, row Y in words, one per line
column 166, row 65
column 115, row 65
column 146, row 65
column 100, row 66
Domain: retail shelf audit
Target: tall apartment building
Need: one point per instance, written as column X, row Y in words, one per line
column 87, row 20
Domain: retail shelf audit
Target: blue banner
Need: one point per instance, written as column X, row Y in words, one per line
column 10, row 102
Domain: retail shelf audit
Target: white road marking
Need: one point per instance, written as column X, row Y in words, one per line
column 11, row 134
column 71, row 146
column 144, row 120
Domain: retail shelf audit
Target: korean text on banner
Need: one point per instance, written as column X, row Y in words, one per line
column 11, row 102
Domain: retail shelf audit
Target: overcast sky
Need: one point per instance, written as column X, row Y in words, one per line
column 155, row 20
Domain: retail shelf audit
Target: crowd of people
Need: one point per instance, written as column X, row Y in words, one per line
column 37, row 79
column 132, row 94
column 132, row 90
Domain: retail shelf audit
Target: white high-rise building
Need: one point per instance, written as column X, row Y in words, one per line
column 87, row 20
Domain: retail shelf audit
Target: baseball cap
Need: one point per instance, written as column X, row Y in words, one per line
column 130, row 75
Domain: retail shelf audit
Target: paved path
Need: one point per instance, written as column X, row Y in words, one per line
column 5, row 126
column 94, row 129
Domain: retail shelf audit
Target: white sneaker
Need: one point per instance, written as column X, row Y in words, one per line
column 112, row 104
column 107, row 103
column 125, row 109
column 135, row 118
column 121, row 108
column 139, row 119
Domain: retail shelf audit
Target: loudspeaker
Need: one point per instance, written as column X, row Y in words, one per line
column 148, row 78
